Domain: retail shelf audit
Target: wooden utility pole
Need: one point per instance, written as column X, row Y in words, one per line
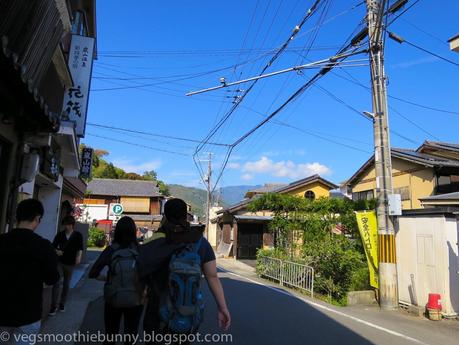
column 388, row 292
column 209, row 193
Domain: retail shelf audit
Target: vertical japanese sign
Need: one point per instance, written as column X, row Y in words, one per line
column 86, row 162
column 76, row 97
column 368, row 229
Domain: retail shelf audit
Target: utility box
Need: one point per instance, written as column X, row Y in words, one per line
column 395, row 205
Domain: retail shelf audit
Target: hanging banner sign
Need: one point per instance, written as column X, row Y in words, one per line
column 76, row 97
column 86, row 162
column 368, row 229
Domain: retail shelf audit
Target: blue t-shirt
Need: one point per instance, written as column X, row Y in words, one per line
column 206, row 252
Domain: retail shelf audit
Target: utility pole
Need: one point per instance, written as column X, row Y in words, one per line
column 209, row 194
column 388, row 292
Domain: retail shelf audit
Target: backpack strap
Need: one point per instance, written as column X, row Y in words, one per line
column 197, row 245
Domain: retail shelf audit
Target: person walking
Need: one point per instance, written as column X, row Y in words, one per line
column 175, row 246
column 27, row 261
column 69, row 248
column 123, row 291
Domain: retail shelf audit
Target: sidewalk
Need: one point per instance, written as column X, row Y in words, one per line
column 442, row 332
column 82, row 292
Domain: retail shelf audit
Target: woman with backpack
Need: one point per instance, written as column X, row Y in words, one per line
column 123, row 292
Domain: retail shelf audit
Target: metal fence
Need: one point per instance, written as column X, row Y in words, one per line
column 287, row 273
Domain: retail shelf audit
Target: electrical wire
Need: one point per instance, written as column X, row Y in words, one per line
column 270, row 62
column 357, row 82
column 138, row 145
column 401, row 40
column 355, row 110
column 296, row 94
column 425, row 32
column 152, row 134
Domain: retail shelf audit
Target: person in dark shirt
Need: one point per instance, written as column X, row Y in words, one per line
column 124, row 237
column 69, row 247
column 26, row 262
column 154, row 260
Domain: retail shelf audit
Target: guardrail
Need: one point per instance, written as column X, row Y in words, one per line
column 287, row 273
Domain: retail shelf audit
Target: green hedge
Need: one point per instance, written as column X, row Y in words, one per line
column 96, row 237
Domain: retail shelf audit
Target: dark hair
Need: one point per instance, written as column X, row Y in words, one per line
column 28, row 209
column 68, row 220
column 176, row 211
column 125, row 231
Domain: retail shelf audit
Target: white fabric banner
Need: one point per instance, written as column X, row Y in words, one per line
column 76, row 97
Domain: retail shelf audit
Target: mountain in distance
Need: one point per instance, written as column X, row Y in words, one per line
column 233, row 194
column 196, row 197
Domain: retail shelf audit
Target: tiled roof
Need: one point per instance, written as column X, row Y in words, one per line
column 446, row 197
column 439, row 145
column 113, row 187
column 413, row 156
column 269, row 187
column 281, row 188
column 307, row 180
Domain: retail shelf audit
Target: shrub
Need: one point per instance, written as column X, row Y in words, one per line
column 96, row 237
column 360, row 280
column 334, row 260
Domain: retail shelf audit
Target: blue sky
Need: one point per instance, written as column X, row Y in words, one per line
column 178, row 45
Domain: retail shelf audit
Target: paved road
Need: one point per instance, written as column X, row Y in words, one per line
column 268, row 315
column 272, row 316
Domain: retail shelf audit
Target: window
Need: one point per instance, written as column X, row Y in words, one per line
column 404, row 192
column 309, row 195
column 363, row 195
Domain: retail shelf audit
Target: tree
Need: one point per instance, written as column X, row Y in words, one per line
column 109, row 171
column 338, row 260
column 163, row 188
column 133, row 176
column 150, row 175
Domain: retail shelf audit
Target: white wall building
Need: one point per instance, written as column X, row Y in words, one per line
column 427, row 258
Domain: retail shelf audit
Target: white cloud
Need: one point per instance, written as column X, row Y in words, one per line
column 283, row 169
column 247, row 177
column 233, row 165
column 130, row 166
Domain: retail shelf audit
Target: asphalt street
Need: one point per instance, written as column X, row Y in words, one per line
column 263, row 313
column 270, row 315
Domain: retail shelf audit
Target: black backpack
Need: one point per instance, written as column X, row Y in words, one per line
column 123, row 288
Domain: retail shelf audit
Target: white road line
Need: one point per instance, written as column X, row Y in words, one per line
column 320, row 306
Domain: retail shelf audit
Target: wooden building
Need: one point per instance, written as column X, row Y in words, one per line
column 141, row 200
column 430, row 170
column 240, row 233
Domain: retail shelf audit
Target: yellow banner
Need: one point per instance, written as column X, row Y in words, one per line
column 368, row 229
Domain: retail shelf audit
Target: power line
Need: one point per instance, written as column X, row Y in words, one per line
column 401, row 40
column 153, row 134
column 281, row 49
column 177, row 77
column 347, row 105
column 357, row 82
column 356, row 40
column 270, row 62
column 425, row 106
column 320, row 136
column 138, row 145
column 425, row 32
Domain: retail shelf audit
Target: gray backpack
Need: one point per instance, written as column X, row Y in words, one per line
column 123, row 288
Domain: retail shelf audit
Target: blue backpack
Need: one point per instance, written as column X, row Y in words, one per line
column 182, row 309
